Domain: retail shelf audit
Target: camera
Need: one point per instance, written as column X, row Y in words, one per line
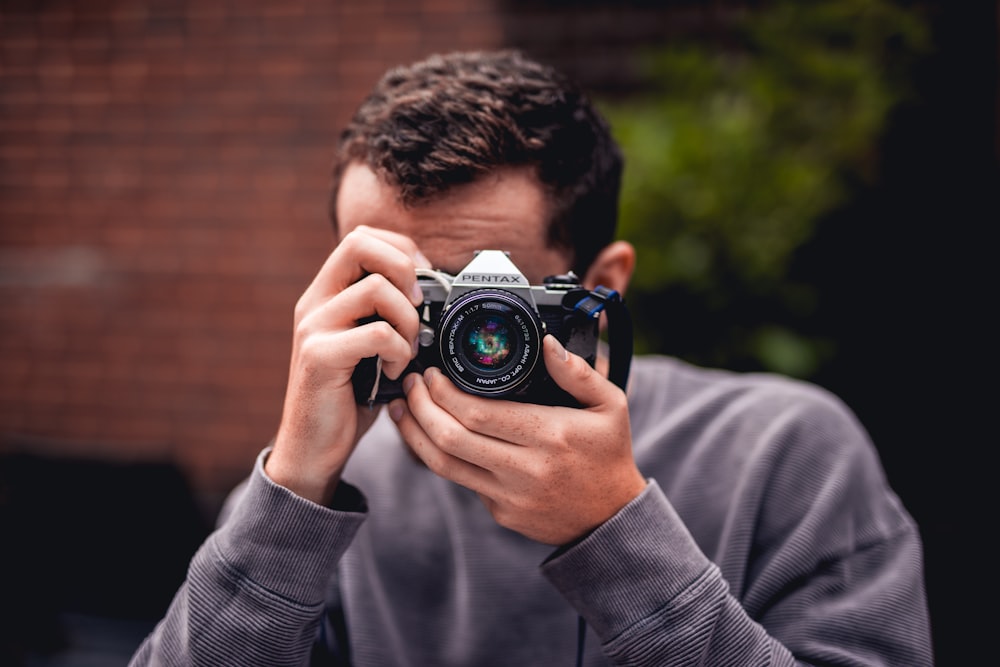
column 484, row 327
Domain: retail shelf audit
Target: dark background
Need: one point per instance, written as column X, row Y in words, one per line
column 163, row 173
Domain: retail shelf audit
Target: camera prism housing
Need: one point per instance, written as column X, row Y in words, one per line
column 484, row 327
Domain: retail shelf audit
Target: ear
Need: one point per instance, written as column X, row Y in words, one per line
column 612, row 267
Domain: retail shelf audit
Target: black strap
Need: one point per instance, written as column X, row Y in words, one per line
column 619, row 364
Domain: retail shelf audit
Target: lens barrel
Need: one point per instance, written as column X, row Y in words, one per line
column 490, row 342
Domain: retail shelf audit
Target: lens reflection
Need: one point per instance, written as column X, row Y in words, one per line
column 487, row 342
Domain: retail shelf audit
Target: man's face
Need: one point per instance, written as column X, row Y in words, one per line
column 506, row 210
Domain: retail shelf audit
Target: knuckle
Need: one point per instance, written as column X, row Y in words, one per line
column 308, row 346
column 301, row 332
column 301, row 309
column 538, row 470
column 448, row 437
column 474, row 417
column 502, row 514
column 619, row 401
column 309, row 363
column 381, row 331
column 353, row 239
column 582, row 372
column 561, row 435
column 428, row 456
column 524, row 505
column 348, row 245
column 376, row 282
column 440, row 463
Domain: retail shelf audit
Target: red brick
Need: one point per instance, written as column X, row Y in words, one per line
column 192, row 167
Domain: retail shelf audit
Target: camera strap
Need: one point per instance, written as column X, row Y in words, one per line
column 619, row 329
column 619, row 364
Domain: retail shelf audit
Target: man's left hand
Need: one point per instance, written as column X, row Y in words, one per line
column 552, row 474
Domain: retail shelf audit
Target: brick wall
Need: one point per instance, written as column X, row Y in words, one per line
column 163, row 180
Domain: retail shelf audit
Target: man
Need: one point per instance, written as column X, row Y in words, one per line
column 703, row 518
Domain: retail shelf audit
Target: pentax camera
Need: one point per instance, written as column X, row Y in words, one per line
column 484, row 327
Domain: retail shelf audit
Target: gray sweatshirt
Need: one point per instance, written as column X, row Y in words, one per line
column 767, row 535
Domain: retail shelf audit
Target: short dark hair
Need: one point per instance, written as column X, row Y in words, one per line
column 451, row 119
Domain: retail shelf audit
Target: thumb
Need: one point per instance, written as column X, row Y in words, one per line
column 575, row 375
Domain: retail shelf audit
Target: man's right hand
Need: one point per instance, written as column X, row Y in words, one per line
column 371, row 272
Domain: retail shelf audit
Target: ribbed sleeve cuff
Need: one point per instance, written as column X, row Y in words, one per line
column 630, row 566
column 285, row 543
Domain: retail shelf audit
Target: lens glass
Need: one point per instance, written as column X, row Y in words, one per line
column 487, row 342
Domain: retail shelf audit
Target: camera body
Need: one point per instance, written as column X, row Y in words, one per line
column 484, row 327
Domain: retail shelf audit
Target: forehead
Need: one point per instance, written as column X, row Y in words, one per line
column 505, row 210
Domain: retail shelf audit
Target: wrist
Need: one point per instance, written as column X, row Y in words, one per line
column 301, row 480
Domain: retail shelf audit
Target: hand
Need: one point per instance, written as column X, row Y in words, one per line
column 371, row 272
column 552, row 474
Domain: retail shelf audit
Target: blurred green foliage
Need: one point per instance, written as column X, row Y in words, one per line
column 734, row 151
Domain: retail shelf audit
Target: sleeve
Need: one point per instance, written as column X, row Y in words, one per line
column 255, row 590
column 831, row 565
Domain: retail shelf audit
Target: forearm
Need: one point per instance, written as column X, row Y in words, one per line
column 651, row 595
column 654, row 598
column 221, row 617
column 255, row 590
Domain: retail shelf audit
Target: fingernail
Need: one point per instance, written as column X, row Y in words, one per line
column 396, row 410
column 408, row 383
column 421, row 261
column 416, row 294
column 429, row 375
column 560, row 350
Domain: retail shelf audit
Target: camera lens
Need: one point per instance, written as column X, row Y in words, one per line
column 490, row 342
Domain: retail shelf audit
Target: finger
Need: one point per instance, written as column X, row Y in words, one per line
column 341, row 351
column 511, row 422
column 401, row 241
column 413, row 428
column 366, row 250
column 576, row 376
column 370, row 296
